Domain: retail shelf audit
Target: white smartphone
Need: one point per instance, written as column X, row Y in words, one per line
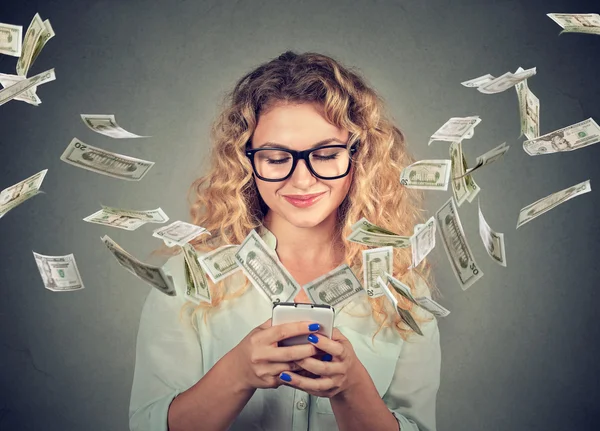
column 288, row 312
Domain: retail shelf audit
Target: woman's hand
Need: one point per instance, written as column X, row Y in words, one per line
column 258, row 361
column 338, row 371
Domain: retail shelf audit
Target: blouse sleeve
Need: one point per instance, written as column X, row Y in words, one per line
column 411, row 396
column 168, row 361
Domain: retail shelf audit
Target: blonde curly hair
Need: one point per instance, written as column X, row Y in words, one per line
column 226, row 200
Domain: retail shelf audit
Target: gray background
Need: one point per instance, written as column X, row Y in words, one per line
column 520, row 349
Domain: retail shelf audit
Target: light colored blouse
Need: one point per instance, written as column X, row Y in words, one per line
column 171, row 357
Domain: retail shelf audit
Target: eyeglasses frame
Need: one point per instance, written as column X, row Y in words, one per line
column 301, row 155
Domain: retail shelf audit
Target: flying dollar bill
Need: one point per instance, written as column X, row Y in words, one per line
column 105, row 162
column 16, row 194
column 568, row 138
column 20, row 87
column 107, row 126
column 456, row 129
column 432, row 306
column 422, row 242
column 543, row 205
column 577, row 22
column 506, row 81
column 366, row 233
column 126, row 219
column 489, row 157
column 262, row 267
column 459, row 184
column 153, row 275
column 492, row 241
column 404, row 314
column 179, row 233
column 336, row 288
column 459, row 253
column 479, row 81
column 59, row 273
column 47, row 34
column 197, row 284
column 220, row 263
column 10, row 39
column 38, row 33
column 376, row 261
column 28, row 96
column 529, row 109
column 472, row 188
column 367, row 226
column 426, row 175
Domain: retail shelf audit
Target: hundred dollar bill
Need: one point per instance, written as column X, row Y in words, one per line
column 543, row 205
column 472, row 188
column 10, row 39
column 32, row 35
column 105, row 162
column 476, row 82
column 107, row 125
column 404, row 314
column 459, row 184
column 422, row 242
column 456, row 129
column 179, row 233
column 432, row 306
column 455, row 243
column 17, row 89
column 16, row 194
column 47, row 34
column 568, row 138
column 126, row 219
column 427, row 175
column 577, row 22
column 153, row 275
column 506, row 81
column 373, row 239
column 376, row 262
column 220, row 263
column 197, row 284
column 262, row 267
column 336, row 288
column 59, row 273
column 493, row 241
column 28, row 96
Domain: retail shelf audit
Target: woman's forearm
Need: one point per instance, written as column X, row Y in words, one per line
column 212, row 404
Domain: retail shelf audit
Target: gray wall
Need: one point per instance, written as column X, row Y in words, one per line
column 520, row 348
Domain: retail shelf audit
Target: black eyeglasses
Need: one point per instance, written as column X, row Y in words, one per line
column 328, row 162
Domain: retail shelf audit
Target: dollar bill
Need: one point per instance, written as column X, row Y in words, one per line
column 47, row 34
column 336, row 288
column 262, row 267
column 197, row 284
column 398, row 286
column 422, row 242
column 506, row 81
column 492, row 241
column 153, row 275
column 32, row 35
column 179, row 233
column 17, row 89
column 376, row 261
column 433, row 307
column 485, row 159
column 427, row 175
column 529, row 109
column 105, row 162
column 373, row 239
column 220, row 263
column 126, row 219
column 472, row 188
column 28, row 96
column 577, row 22
column 10, row 39
column 59, row 273
column 459, row 184
column 367, row 226
column 476, row 82
column 107, row 126
column 543, row 205
column 15, row 195
column 568, row 138
column 459, row 253
column 404, row 314
column 456, row 129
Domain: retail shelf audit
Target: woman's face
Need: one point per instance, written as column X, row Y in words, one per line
column 299, row 127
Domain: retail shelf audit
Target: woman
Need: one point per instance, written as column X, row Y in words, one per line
column 217, row 366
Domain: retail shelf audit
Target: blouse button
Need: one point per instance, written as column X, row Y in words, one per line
column 301, row 405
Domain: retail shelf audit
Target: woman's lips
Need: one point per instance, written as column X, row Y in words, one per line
column 306, row 201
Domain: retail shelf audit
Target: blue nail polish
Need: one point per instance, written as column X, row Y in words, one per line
column 285, row 377
column 327, row 357
column 314, row 327
column 313, row 338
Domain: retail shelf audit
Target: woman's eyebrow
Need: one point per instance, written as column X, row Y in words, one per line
column 323, row 142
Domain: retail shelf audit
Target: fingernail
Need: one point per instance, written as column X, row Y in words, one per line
column 313, row 338
column 314, row 327
column 327, row 357
column 285, row 377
